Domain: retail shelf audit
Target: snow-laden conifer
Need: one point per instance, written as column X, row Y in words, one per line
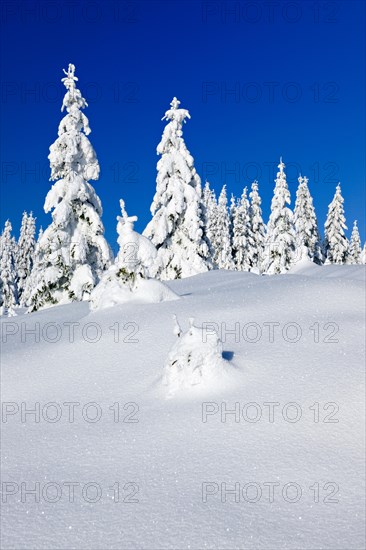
column 209, row 205
column 335, row 240
column 25, row 254
column 35, row 274
column 306, row 224
column 354, row 249
column 222, row 242
column 8, row 287
column 280, row 243
column 176, row 228
column 232, row 214
column 73, row 252
column 257, row 227
column 363, row 255
column 242, row 239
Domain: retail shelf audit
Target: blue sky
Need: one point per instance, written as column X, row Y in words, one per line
column 260, row 79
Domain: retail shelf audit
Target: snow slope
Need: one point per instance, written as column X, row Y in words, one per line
column 170, row 458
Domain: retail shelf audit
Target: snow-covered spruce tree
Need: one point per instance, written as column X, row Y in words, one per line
column 222, row 243
column 40, row 235
column 35, row 275
column 232, row 214
column 242, row 239
column 257, row 227
column 209, row 205
column 73, row 252
column 25, row 254
column 363, row 255
column 306, row 224
column 177, row 226
column 354, row 249
column 8, row 287
column 280, row 244
column 335, row 240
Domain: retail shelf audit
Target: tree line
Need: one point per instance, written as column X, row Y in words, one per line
column 191, row 230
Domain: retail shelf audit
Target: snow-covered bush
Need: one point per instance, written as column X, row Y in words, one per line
column 177, row 226
column 73, row 252
column 128, row 279
column 194, row 360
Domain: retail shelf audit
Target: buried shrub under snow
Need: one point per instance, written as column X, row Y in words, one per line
column 127, row 280
column 195, row 359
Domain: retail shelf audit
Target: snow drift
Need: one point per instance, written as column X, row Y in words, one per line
column 297, row 339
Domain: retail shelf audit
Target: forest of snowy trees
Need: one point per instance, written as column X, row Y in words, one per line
column 191, row 230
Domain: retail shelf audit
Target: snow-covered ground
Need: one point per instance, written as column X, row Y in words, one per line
column 295, row 352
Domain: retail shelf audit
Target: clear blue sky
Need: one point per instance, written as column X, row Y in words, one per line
column 260, row 79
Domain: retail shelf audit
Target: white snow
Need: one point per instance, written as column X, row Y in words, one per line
column 195, row 362
column 117, row 355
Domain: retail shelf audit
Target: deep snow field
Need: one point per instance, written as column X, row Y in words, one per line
column 296, row 475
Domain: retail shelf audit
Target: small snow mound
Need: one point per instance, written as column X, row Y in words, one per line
column 194, row 360
column 305, row 264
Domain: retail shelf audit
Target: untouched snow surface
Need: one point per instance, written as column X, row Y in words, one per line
column 299, row 484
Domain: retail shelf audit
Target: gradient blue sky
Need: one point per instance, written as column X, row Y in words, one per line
column 260, row 79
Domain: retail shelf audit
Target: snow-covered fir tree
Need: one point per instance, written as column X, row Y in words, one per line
column 363, row 255
column 280, row 244
column 40, row 235
column 209, row 205
column 232, row 213
column 354, row 249
column 8, row 287
column 177, row 226
column 242, row 238
column 306, row 224
column 73, row 252
column 258, row 228
column 335, row 240
column 222, row 243
column 25, row 254
column 35, row 275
